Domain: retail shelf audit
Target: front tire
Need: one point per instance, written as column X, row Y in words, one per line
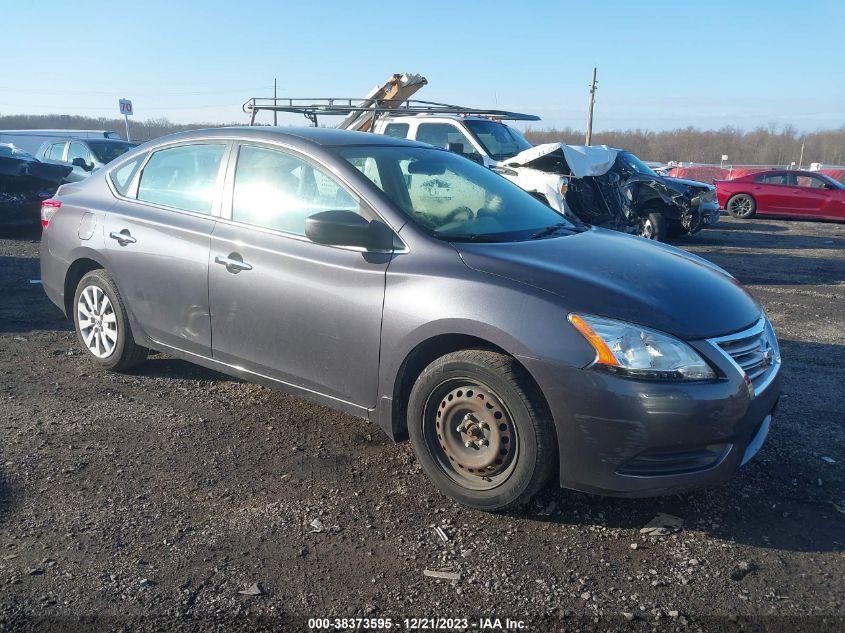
column 101, row 324
column 742, row 206
column 653, row 227
column 480, row 431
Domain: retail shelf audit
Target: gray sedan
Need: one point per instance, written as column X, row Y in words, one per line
column 418, row 290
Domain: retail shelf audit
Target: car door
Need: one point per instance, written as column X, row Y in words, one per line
column 772, row 193
column 812, row 198
column 157, row 242
column 301, row 313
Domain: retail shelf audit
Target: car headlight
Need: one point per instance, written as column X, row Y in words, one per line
column 631, row 350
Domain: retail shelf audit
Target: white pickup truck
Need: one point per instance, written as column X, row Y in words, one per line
column 490, row 143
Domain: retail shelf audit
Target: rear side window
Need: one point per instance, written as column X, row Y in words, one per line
column 122, row 176
column 277, row 190
column 183, row 177
column 773, row 179
column 56, row 151
column 396, row 130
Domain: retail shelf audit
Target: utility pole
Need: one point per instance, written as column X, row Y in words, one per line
column 590, row 110
column 275, row 112
column 801, row 159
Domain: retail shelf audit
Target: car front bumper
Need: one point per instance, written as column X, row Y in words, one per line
column 710, row 214
column 623, row 437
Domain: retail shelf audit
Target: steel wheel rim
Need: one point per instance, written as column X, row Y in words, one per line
column 97, row 321
column 471, row 434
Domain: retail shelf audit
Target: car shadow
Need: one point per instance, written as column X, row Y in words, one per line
column 7, row 496
column 25, row 307
column 750, row 225
column 159, row 365
column 753, row 239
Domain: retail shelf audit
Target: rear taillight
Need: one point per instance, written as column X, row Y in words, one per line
column 48, row 208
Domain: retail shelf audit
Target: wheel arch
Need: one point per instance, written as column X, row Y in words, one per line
column 75, row 272
column 422, row 355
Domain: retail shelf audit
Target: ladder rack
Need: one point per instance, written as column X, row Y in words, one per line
column 311, row 108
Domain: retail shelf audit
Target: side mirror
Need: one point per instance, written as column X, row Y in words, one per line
column 81, row 162
column 347, row 228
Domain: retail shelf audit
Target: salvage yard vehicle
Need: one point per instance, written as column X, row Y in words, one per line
column 83, row 155
column 31, row 140
column 507, row 342
column 800, row 194
column 599, row 185
column 24, row 183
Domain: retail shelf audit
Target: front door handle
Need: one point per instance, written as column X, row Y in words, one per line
column 123, row 237
column 234, row 263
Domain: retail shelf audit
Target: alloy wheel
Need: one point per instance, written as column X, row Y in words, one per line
column 97, row 321
column 741, row 205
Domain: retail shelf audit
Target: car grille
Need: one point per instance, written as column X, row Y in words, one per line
column 754, row 352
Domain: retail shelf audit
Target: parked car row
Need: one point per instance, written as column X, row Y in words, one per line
column 33, row 163
column 419, row 290
column 24, row 183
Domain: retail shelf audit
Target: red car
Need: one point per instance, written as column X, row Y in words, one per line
column 799, row 194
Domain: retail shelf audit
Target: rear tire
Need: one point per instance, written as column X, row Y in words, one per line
column 102, row 325
column 480, row 430
column 653, row 227
column 742, row 206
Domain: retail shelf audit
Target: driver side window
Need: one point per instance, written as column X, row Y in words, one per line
column 277, row 190
column 78, row 150
column 443, row 135
column 811, row 182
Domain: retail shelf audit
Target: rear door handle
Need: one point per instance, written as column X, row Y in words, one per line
column 124, row 237
column 234, row 263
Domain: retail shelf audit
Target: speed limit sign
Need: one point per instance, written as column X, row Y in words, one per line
column 125, row 106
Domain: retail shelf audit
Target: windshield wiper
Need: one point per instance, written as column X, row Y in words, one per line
column 474, row 237
column 549, row 230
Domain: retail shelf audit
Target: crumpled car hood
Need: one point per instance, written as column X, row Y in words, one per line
column 583, row 160
column 624, row 277
column 684, row 183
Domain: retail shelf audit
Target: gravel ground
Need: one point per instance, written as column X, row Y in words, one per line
column 148, row 501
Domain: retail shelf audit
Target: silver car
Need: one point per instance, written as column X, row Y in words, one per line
column 414, row 288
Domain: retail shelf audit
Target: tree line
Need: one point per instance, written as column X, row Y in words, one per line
column 760, row 146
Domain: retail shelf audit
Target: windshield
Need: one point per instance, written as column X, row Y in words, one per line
column 453, row 198
column 636, row 164
column 107, row 151
column 499, row 141
column 832, row 181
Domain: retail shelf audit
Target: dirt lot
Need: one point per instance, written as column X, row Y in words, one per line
column 147, row 501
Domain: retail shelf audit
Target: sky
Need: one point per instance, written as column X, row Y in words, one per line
column 661, row 65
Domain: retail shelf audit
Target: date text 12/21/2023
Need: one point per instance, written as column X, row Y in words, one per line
column 417, row 624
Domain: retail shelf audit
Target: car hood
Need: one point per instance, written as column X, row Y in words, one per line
column 683, row 183
column 619, row 276
column 582, row 160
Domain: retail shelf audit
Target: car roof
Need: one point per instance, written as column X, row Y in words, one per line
column 798, row 172
column 326, row 137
